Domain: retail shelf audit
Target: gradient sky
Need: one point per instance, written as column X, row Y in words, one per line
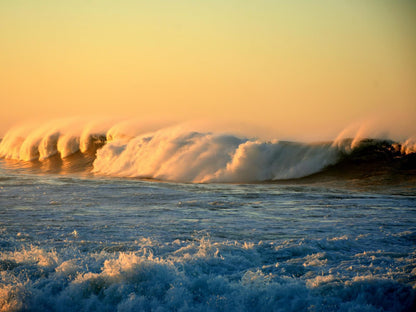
column 300, row 68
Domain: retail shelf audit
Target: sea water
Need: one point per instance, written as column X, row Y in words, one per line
column 72, row 239
column 76, row 244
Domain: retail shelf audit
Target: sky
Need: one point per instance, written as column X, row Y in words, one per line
column 296, row 69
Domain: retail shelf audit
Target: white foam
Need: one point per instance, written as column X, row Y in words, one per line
column 198, row 275
column 409, row 146
column 178, row 154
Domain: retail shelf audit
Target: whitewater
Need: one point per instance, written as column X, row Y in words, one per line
column 104, row 216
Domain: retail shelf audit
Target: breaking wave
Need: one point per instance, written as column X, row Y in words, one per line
column 178, row 153
column 207, row 276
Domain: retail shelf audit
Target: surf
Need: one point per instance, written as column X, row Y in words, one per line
column 180, row 153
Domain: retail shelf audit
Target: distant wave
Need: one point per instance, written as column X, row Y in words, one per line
column 180, row 154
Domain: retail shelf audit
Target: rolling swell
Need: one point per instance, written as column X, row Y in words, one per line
column 180, row 154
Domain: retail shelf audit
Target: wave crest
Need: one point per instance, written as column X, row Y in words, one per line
column 180, row 154
column 177, row 154
column 65, row 138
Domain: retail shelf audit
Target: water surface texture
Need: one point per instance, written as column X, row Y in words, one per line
column 76, row 234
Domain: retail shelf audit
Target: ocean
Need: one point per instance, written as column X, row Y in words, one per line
column 98, row 218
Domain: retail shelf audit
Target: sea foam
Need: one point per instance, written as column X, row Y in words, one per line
column 180, row 153
column 199, row 276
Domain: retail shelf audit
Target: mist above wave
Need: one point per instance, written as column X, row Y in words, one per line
column 177, row 153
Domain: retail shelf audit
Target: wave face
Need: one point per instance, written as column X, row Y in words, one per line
column 183, row 155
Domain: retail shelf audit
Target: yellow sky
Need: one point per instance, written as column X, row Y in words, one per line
column 300, row 68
